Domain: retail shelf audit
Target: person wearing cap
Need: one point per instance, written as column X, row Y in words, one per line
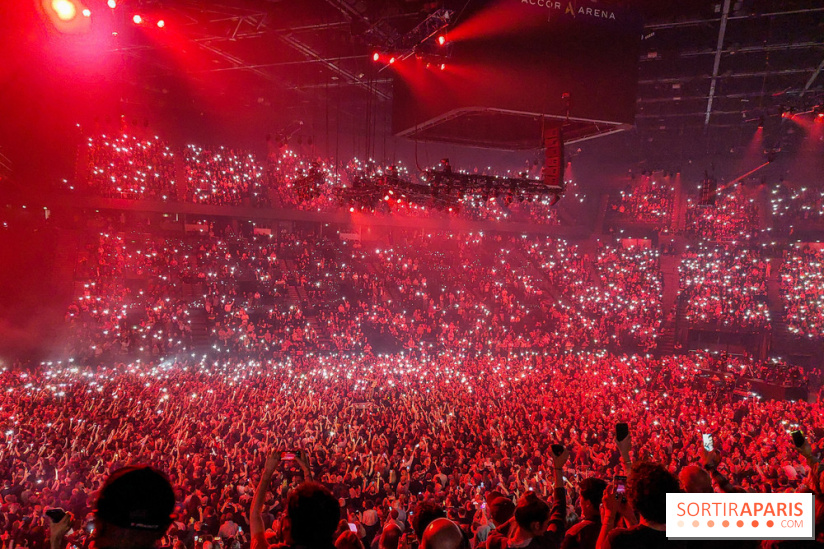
column 133, row 511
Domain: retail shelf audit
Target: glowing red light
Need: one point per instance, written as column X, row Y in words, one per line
column 112, row 4
column 161, row 23
column 442, row 40
column 391, row 60
column 821, row 115
column 137, row 19
column 65, row 9
column 376, row 56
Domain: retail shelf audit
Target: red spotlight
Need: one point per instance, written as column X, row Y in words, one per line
column 391, row 60
column 376, row 56
column 137, row 19
column 161, row 23
column 65, row 9
column 442, row 40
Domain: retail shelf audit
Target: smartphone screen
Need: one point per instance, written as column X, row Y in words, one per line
column 707, row 439
column 621, row 431
column 353, row 527
column 798, row 438
column 620, row 487
column 287, row 456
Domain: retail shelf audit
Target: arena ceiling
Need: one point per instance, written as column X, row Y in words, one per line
column 704, row 64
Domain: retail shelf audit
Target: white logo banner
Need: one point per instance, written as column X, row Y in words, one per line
column 741, row 516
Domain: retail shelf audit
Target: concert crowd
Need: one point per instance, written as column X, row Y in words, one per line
column 382, row 433
column 407, row 386
column 430, row 372
column 123, row 165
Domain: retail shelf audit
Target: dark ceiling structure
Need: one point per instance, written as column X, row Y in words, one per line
column 729, row 62
column 705, row 63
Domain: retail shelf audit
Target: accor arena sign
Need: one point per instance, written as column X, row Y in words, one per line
column 570, row 8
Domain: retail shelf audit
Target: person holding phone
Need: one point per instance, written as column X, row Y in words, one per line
column 647, row 488
column 312, row 510
column 709, row 461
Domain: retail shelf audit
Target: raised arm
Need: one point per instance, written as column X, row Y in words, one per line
column 709, row 461
column 302, row 458
column 256, row 525
column 624, row 447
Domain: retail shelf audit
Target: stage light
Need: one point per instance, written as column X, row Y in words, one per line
column 376, row 56
column 391, row 60
column 87, row 12
column 65, row 9
column 137, row 19
column 442, row 40
column 161, row 23
column 112, row 4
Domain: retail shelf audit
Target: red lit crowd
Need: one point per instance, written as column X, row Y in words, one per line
column 129, row 167
column 125, row 166
column 732, row 218
column 296, row 290
column 418, row 371
column 726, row 286
column 802, row 284
column 384, row 433
column 375, row 358
column 795, row 203
column 648, row 199
column 223, row 177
